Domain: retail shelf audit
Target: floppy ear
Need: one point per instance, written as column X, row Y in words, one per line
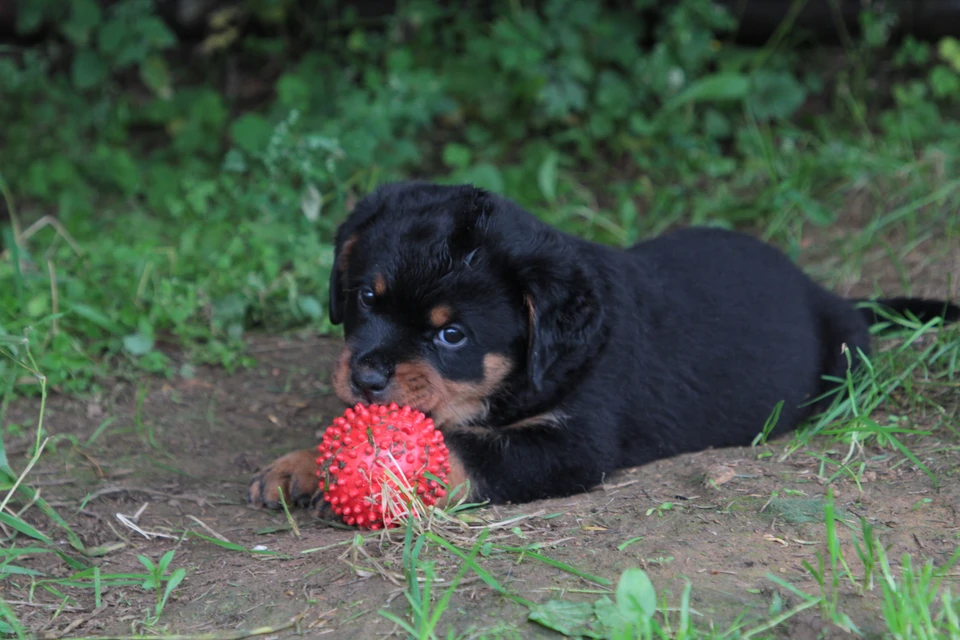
column 368, row 208
column 565, row 319
column 338, row 297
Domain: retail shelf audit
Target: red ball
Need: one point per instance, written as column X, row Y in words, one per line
column 358, row 450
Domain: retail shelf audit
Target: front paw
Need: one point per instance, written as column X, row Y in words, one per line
column 295, row 475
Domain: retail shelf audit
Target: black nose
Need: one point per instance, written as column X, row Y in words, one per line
column 370, row 382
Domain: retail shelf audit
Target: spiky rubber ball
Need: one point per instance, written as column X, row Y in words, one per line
column 364, row 454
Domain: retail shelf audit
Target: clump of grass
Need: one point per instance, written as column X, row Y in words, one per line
column 917, row 605
column 26, row 534
column 424, row 613
column 914, row 605
column 924, row 356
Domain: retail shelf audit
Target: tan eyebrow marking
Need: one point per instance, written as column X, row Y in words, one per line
column 440, row 315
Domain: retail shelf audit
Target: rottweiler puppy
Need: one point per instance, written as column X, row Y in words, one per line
column 549, row 361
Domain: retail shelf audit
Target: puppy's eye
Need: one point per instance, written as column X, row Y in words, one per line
column 366, row 297
column 451, row 336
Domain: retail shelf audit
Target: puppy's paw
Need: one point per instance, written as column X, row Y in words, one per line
column 321, row 509
column 295, row 474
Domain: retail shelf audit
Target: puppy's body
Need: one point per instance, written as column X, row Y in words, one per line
column 577, row 359
column 707, row 332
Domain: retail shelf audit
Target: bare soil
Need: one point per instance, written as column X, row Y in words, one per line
column 180, row 453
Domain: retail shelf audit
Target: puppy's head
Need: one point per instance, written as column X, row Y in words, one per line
column 452, row 297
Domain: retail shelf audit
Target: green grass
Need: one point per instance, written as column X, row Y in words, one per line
column 914, row 374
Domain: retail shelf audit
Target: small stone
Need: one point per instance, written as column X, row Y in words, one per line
column 718, row 474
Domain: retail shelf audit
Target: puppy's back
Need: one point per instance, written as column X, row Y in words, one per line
column 729, row 327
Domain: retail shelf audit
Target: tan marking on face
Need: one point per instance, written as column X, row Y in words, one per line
column 449, row 403
column 379, row 285
column 341, row 378
column 440, row 316
column 345, row 253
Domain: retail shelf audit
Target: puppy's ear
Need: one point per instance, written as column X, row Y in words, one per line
column 338, row 296
column 565, row 318
column 365, row 211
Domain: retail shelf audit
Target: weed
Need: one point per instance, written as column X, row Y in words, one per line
column 915, row 606
column 425, row 616
column 661, row 508
column 768, row 426
column 157, row 580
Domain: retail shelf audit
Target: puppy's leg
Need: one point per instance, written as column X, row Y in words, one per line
column 460, row 486
column 529, row 462
column 295, row 474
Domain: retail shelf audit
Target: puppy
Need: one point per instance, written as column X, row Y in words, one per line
column 548, row 361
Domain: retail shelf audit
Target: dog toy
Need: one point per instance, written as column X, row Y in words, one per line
column 373, row 461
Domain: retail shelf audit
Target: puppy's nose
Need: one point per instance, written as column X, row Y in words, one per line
column 370, row 382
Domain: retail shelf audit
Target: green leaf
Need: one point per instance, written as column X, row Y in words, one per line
column 165, row 561
column 88, row 69
column 175, row 579
column 138, row 344
column 608, row 615
column 37, row 306
column 716, row 125
column 12, row 569
column 811, row 209
column 231, row 307
column 97, row 318
column 568, row 618
column 111, row 37
column 251, row 132
column 293, row 92
column 547, row 176
column 84, row 16
column 944, row 81
column 156, row 33
column 30, row 15
column 562, row 96
column 12, row 625
column 24, row 528
column 456, row 156
column 311, row 307
column 614, row 95
column 720, row 87
column 484, row 175
column 636, row 597
column 147, row 563
column 775, row 95
column 949, row 50
column 156, row 76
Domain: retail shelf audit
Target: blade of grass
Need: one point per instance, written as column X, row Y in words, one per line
column 482, row 573
column 554, row 563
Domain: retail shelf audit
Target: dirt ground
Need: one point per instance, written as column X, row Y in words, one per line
column 180, row 452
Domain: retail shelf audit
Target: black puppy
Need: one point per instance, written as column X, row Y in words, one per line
column 549, row 361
